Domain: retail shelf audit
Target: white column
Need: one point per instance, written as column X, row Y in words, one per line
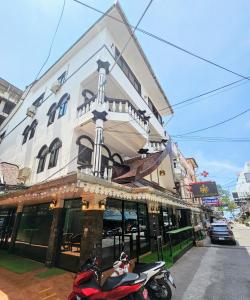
column 100, row 116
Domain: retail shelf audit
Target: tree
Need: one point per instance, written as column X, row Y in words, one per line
column 227, row 203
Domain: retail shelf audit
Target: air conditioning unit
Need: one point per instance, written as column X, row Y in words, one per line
column 31, row 111
column 24, row 174
column 55, row 87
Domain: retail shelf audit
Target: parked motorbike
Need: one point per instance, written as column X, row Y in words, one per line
column 86, row 285
column 158, row 277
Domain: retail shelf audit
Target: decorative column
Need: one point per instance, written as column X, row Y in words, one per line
column 154, row 228
column 55, row 233
column 91, row 242
column 17, row 221
column 100, row 114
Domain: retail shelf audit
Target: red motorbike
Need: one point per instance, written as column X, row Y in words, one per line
column 86, row 285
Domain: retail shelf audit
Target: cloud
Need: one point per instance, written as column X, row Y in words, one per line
column 215, row 166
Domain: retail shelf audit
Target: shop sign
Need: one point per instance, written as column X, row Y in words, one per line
column 211, row 201
column 204, row 189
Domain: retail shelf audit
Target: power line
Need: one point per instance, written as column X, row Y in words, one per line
column 44, row 63
column 217, row 124
column 164, row 41
column 131, row 35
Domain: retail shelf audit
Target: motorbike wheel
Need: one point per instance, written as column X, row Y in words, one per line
column 164, row 294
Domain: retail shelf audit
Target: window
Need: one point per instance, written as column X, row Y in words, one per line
column 8, row 107
column 154, row 110
column 54, row 151
column 25, row 134
column 39, row 100
column 42, row 158
column 51, row 113
column 85, row 151
column 127, row 71
column 33, row 128
column 34, row 231
column 62, row 78
column 62, row 105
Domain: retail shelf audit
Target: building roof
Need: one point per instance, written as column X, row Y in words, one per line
column 141, row 167
column 193, row 162
column 117, row 8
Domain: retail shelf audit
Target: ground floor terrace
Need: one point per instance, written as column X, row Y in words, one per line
column 64, row 221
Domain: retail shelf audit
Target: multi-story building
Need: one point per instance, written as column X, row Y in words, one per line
column 93, row 155
column 9, row 97
column 243, row 185
column 184, row 176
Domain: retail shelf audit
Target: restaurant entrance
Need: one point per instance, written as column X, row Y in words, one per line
column 125, row 228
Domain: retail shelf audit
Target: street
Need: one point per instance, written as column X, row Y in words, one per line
column 215, row 271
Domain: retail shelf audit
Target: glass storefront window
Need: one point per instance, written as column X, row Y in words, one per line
column 112, row 232
column 125, row 228
column 34, row 231
column 69, row 255
column 144, row 228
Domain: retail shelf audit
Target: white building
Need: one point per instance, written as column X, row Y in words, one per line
column 9, row 97
column 93, row 139
column 243, row 184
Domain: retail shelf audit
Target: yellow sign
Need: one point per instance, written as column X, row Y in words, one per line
column 204, row 189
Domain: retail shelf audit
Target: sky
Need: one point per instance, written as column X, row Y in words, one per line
column 216, row 30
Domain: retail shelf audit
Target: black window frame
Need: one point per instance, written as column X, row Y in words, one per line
column 62, row 105
column 42, row 155
column 38, row 102
column 62, row 78
column 54, row 152
column 127, row 71
column 25, row 134
column 32, row 129
column 52, row 114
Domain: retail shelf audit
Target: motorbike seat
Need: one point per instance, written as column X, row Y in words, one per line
column 113, row 282
column 142, row 267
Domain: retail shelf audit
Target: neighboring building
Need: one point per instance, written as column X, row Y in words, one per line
column 185, row 174
column 9, row 97
column 93, row 154
column 243, row 185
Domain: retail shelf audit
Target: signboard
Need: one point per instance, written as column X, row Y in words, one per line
column 204, row 189
column 247, row 176
column 211, row 201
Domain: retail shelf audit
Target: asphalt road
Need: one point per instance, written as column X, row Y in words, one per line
column 215, row 271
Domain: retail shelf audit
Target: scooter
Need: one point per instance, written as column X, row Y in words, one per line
column 158, row 277
column 86, row 285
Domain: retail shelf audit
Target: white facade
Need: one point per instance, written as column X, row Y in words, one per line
column 128, row 127
column 242, row 186
column 9, row 97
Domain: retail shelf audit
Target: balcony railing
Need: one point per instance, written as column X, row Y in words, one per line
column 124, row 106
column 158, row 146
column 85, row 107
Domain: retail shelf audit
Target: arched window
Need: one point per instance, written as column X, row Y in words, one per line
column 51, row 113
column 25, row 134
column 117, row 159
column 33, row 128
column 86, row 148
column 62, row 105
column 42, row 158
column 54, row 151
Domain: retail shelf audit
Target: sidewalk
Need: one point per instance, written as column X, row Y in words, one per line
column 25, row 286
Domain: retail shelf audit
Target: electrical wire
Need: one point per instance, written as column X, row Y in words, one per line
column 131, row 35
column 216, row 124
column 164, row 41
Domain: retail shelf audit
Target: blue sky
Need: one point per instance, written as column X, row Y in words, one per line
column 217, row 30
